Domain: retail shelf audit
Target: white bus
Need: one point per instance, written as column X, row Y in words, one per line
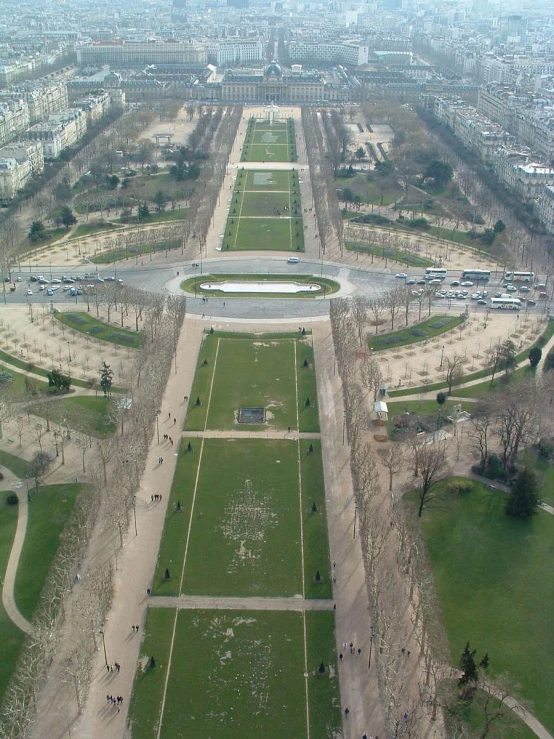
column 519, row 276
column 433, row 273
column 506, row 303
column 476, row 274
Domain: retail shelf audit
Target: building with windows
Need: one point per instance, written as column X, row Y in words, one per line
column 524, row 177
column 59, row 132
column 349, row 53
column 230, row 52
column 18, row 163
column 14, row 119
column 139, row 54
column 545, row 204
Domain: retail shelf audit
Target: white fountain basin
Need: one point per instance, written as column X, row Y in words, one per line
column 289, row 288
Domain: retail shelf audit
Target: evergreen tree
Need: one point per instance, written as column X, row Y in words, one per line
column 106, row 378
column 524, row 495
column 468, row 665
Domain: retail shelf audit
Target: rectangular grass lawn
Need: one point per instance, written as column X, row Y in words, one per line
column 268, row 153
column 177, row 519
column 270, row 135
column 263, row 180
column 245, row 535
column 253, row 374
column 277, row 234
column 270, row 204
column 494, row 580
column 236, row 676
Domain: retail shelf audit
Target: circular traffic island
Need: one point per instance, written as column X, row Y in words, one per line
column 260, row 286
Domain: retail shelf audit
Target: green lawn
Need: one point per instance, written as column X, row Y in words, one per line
column 323, row 690
column 264, row 204
column 227, row 676
column 425, row 409
column 381, row 191
column 237, row 675
column 250, row 516
column 86, row 414
column 49, row 511
column 411, row 334
column 193, row 285
column 308, row 415
column 277, row 234
column 28, row 367
column 316, row 545
column 11, row 638
column 257, row 373
column 262, row 180
column 493, row 576
column 268, row 153
column 267, row 135
column 254, row 374
column 86, row 324
column 16, row 465
column 396, row 255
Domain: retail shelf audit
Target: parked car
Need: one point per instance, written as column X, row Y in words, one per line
column 401, row 275
column 410, row 282
column 467, row 283
column 531, row 302
column 455, row 283
column 29, row 292
column 481, row 302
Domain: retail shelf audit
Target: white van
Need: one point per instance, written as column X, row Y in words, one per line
column 292, row 260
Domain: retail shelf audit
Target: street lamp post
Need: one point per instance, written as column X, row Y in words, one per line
column 69, row 351
column 370, row 646
column 355, row 516
column 135, row 513
column 442, row 356
column 104, row 643
column 56, row 434
column 343, row 427
column 158, row 426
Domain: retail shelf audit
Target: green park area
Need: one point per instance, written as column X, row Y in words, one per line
column 49, row 510
column 265, row 212
column 227, row 675
column 276, row 375
column 493, row 579
column 90, row 326
column 269, row 142
column 422, row 331
column 86, row 414
column 410, row 259
column 212, row 286
column 260, row 503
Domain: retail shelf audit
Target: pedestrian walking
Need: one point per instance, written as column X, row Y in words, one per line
column 334, row 564
column 340, row 656
column 174, row 421
column 169, row 415
column 346, row 711
column 359, row 652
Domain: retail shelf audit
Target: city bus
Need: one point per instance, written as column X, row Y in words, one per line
column 506, row 303
column 519, row 276
column 476, row 274
column 432, row 273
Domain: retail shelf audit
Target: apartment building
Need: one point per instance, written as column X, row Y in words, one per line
column 18, row 163
column 350, row 53
column 60, row 131
column 545, row 204
column 526, row 178
column 139, row 54
column 14, row 119
column 230, row 52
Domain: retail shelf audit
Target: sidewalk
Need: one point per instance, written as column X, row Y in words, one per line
column 358, row 684
column 135, row 569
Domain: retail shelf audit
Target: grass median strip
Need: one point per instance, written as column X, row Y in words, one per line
column 90, row 326
column 422, row 331
column 214, row 285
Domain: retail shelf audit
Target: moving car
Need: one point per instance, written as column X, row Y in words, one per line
column 401, row 275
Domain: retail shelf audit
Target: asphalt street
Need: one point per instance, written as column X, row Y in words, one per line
column 165, row 278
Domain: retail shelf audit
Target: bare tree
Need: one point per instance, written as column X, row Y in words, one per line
column 482, row 423
column 454, row 370
column 372, row 379
column 376, row 307
column 393, row 459
column 393, row 300
column 432, row 468
column 359, row 313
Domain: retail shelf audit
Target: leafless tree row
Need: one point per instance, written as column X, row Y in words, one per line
column 96, row 529
column 328, row 214
column 210, row 181
column 386, row 588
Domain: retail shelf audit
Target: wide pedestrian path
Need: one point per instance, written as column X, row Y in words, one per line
column 239, row 604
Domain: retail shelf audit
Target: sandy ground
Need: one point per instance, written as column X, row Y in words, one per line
column 49, row 344
column 425, row 363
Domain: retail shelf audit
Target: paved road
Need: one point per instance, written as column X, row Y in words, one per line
column 161, row 278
